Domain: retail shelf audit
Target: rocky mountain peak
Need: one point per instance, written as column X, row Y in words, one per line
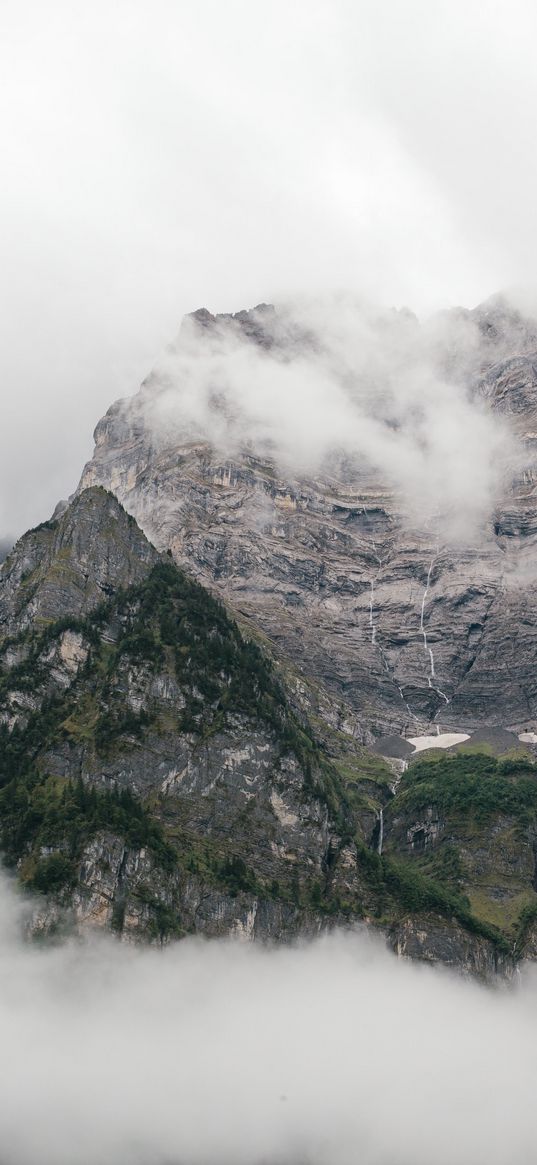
column 505, row 325
column 258, row 324
column 67, row 565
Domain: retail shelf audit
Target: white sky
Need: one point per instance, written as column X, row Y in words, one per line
column 162, row 156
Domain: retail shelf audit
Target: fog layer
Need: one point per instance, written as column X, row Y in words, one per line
column 333, row 1052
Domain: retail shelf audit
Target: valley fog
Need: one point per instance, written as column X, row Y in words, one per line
column 331, row 1053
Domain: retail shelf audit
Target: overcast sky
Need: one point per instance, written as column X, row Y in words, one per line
column 162, row 156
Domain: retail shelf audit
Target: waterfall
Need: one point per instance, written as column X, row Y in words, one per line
column 406, row 703
column 426, row 648
column 371, row 619
column 423, row 602
column 381, row 832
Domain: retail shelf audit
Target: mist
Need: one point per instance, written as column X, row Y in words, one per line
column 166, row 157
column 329, row 1052
column 342, row 388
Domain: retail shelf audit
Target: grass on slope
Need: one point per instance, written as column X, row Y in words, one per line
column 475, row 784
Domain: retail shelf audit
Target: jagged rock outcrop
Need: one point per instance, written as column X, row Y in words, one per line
column 431, row 941
column 68, row 565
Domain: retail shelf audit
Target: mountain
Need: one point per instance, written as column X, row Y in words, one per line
column 229, row 727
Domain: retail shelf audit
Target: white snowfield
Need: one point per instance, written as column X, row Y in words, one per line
column 447, row 739
column 444, row 740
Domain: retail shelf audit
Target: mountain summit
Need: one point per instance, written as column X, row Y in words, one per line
column 389, row 554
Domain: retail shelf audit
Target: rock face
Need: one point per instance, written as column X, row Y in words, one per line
column 400, row 628
column 448, row 943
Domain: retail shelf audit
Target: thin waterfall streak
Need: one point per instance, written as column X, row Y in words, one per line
column 432, row 674
column 371, row 616
column 407, row 705
column 423, row 602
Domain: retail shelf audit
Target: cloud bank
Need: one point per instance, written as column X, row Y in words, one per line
column 221, row 1053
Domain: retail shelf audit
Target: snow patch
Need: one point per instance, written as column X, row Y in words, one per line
column 444, row 740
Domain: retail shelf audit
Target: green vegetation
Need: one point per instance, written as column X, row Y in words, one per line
column 219, row 672
column 401, row 886
column 527, row 917
column 170, row 624
column 40, row 813
column 49, row 524
column 444, row 864
column 477, row 784
column 365, row 779
column 52, row 873
column 487, row 810
column 235, row 875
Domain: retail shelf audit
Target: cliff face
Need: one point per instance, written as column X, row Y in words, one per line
column 402, row 627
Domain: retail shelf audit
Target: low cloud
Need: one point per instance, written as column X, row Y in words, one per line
column 351, row 392
column 222, row 1053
